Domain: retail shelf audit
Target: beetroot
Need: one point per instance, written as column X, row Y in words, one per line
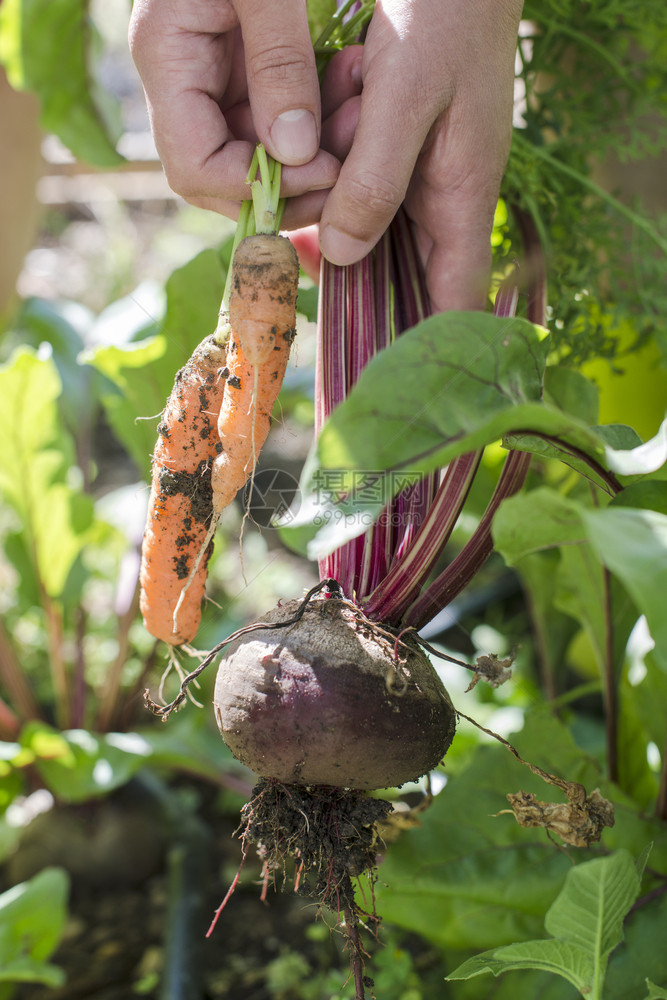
column 329, row 700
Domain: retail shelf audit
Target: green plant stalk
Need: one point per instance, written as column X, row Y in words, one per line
column 261, row 213
column 338, row 32
column 61, row 686
column 109, row 701
column 610, row 683
column 14, row 680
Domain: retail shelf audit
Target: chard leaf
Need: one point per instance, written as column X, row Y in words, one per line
column 46, row 46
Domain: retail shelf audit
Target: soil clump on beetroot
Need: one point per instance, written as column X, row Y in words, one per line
column 330, row 833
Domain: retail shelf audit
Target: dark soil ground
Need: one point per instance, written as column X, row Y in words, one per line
column 137, row 927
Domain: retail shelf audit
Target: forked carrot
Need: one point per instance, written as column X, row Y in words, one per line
column 180, row 506
column 217, row 419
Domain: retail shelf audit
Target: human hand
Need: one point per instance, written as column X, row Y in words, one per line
column 219, row 76
column 432, row 124
column 432, row 129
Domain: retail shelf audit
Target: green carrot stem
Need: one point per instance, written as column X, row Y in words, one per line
column 261, row 213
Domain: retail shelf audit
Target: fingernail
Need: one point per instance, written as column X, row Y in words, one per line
column 294, row 136
column 339, row 248
column 355, row 72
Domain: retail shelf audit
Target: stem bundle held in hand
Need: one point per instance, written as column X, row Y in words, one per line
column 216, row 420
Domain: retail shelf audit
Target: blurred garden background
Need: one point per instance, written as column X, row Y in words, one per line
column 116, row 831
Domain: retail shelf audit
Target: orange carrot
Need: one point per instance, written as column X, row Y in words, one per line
column 262, row 317
column 213, row 427
column 180, row 507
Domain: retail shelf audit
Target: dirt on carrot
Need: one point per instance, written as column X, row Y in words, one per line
column 213, row 427
column 180, row 506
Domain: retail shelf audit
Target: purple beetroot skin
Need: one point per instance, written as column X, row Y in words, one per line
column 324, row 701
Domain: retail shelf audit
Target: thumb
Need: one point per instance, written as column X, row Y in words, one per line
column 283, row 88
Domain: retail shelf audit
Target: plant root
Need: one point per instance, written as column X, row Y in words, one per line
column 331, row 836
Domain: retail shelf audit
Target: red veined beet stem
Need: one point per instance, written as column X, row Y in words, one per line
column 401, row 586
column 416, row 557
column 474, row 553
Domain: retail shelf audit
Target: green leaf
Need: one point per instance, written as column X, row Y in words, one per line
column 32, row 919
column 573, row 393
column 633, row 545
column 617, row 439
column 634, row 773
column 455, row 377
column 454, row 383
column 63, row 325
column 641, row 954
column 650, row 494
column 143, row 373
column 591, row 909
column 26, row 970
column 77, row 765
column 586, row 924
column 644, row 459
column 655, row 992
column 465, row 879
column 478, row 965
column 46, row 48
column 57, row 519
column 559, row 957
column 535, row 521
column 29, row 389
column 543, row 520
column 552, row 628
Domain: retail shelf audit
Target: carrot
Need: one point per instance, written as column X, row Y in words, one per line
column 262, row 318
column 196, row 471
column 180, row 507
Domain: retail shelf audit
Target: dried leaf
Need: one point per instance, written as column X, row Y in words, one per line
column 492, row 670
column 578, row 822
